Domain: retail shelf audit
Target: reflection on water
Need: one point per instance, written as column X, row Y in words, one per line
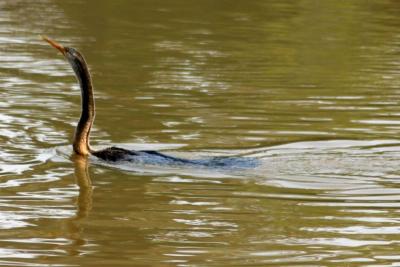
column 35, row 204
column 308, row 88
column 85, row 186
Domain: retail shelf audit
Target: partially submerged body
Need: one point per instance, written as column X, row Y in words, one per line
column 150, row 157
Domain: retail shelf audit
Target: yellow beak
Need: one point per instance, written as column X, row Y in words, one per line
column 55, row 44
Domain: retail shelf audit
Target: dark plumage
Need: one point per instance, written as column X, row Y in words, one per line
column 114, row 154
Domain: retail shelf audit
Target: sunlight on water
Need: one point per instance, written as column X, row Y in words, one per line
column 306, row 90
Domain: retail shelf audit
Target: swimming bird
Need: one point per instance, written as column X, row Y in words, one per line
column 81, row 141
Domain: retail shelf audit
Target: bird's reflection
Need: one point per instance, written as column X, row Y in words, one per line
column 81, row 171
column 83, row 204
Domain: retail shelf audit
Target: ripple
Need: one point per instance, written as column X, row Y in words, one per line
column 211, row 81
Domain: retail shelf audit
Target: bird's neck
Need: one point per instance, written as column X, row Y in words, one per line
column 82, row 133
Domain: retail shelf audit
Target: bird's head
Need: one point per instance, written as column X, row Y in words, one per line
column 68, row 52
column 73, row 56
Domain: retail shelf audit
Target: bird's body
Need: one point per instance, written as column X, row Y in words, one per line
column 115, row 154
column 151, row 157
column 81, row 142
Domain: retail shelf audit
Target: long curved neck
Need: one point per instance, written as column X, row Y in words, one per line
column 82, row 133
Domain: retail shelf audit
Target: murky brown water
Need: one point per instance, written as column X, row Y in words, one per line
column 309, row 88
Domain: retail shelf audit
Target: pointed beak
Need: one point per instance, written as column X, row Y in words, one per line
column 55, row 45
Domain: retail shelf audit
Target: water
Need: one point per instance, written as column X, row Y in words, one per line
column 307, row 88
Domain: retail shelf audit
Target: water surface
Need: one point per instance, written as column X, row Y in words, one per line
column 307, row 88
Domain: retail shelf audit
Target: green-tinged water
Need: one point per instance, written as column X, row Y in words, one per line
column 310, row 89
